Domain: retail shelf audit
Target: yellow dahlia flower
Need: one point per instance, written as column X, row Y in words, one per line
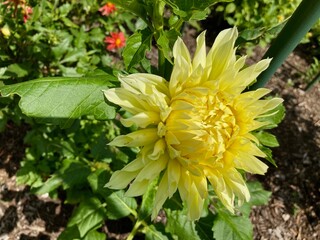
column 194, row 129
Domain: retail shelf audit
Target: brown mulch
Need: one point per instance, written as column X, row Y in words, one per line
column 294, row 209
column 292, row 213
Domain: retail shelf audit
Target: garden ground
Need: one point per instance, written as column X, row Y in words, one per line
column 293, row 211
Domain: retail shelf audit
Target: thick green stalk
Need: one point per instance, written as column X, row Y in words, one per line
column 305, row 16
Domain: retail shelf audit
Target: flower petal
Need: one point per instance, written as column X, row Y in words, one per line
column 136, row 139
column 222, row 53
column 141, row 120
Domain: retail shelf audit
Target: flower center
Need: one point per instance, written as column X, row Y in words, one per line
column 118, row 42
column 200, row 126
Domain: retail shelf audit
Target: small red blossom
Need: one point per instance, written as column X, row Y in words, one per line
column 107, row 9
column 27, row 11
column 116, row 40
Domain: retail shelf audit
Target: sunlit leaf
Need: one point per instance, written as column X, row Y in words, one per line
column 233, row 227
column 137, row 45
column 274, row 117
column 179, row 225
column 267, row 139
column 94, row 235
column 259, row 196
column 120, row 206
column 60, row 100
column 88, row 216
column 152, row 233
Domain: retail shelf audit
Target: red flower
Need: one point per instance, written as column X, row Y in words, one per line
column 27, row 11
column 115, row 41
column 107, row 9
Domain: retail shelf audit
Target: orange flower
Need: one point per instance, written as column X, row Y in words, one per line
column 107, row 9
column 115, row 41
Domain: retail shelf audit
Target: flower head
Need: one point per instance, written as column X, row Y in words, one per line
column 195, row 129
column 115, row 41
column 107, row 9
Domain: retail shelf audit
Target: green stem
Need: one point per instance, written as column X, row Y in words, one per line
column 134, row 230
column 313, row 82
column 161, row 63
column 304, row 17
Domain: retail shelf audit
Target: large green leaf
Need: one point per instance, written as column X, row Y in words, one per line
column 232, row 227
column 259, row 196
column 179, row 225
column 88, row 216
column 60, row 100
column 120, row 206
column 204, row 227
column 137, row 45
column 152, row 233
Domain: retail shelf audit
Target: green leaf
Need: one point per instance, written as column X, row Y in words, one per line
column 70, row 233
column 98, row 180
column 88, row 216
column 192, row 9
column 274, row 117
column 268, row 153
column 27, row 174
column 267, row 139
column 228, row 226
column 137, row 45
column 74, row 174
column 148, row 200
column 120, row 206
column 166, row 42
column 135, row 7
column 259, row 196
column 204, row 227
column 152, row 233
column 18, row 70
column 94, row 235
column 178, row 225
column 60, row 100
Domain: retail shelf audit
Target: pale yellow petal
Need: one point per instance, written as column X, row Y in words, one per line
column 182, row 67
column 249, row 74
column 120, row 179
column 137, row 188
column 136, row 139
column 200, row 54
column 141, row 120
column 235, row 181
column 220, row 187
column 173, row 173
column 222, row 53
column 161, row 195
column 127, row 100
column 143, row 82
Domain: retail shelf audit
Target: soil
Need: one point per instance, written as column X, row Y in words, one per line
column 293, row 211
